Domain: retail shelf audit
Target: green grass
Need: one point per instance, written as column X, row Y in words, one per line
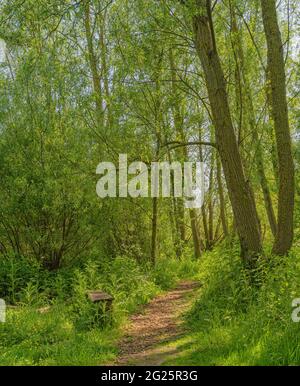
column 236, row 323
column 70, row 333
column 30, row 338
column 233, row 322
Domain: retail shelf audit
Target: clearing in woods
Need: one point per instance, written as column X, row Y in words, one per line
column 149, row 334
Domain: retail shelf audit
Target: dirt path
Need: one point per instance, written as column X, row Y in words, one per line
column 149, row 332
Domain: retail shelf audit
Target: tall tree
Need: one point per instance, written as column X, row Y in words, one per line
column 248, row 118
column 239, row 190
column 276, row 68
column 179, row 110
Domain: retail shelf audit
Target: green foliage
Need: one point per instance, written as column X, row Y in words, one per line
column 168, row 271
column 73, row 331
column 30, row 338
column 58, row 240
column 236, row 323
column 15, row 273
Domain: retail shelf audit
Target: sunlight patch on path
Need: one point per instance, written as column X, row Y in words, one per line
column 149, row 335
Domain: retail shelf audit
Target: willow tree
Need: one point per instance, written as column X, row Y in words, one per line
column 248, row 120
column 239, row 190
column 276, row 69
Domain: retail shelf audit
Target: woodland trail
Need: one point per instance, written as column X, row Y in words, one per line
column 148, row 334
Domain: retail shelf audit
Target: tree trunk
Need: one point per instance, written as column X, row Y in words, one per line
column 195, row 233
column 211, row 200
column 173, row 215
column 154, row 229
column 203, row 209
column 239, row 190
column 182, row 155
column 93, row 63
column 105, row 69
column 249, row 118
column 284, row 235
column 221, row 198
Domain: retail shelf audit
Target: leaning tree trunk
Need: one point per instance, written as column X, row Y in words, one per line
column 241, row 197
column 284, row 235
column 246, row 94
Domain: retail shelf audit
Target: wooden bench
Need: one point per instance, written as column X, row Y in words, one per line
column 98, row 297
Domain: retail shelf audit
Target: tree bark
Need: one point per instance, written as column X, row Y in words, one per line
column 221, row 198
column 239, row 189
column 211, row 200
column 276, row 67
column 203, row 209
column 249, row 118
column 195, row 233
column 154, row 230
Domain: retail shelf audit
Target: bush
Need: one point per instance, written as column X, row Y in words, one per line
column 15, row 273
column 236, row 323
column 168, row 271
column 75, row 331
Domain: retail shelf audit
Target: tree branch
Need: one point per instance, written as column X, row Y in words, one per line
column 182, row 144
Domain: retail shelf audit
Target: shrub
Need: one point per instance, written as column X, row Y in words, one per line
column 236, row 323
